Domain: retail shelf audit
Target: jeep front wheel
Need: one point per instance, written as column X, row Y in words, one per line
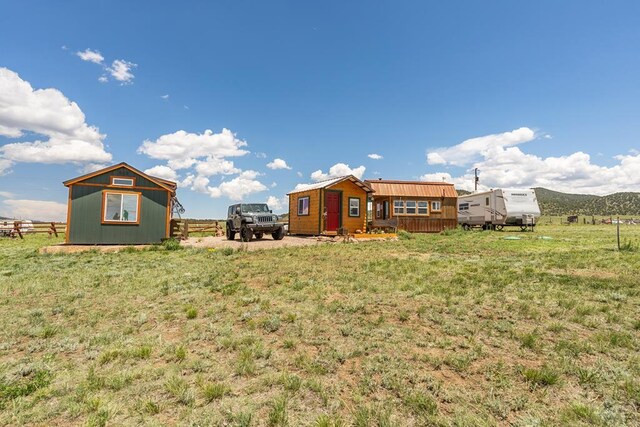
column 246, row 234
column 278, row 234
column 230, row 233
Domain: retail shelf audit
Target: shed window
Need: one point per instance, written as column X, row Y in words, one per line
column 121, row 207
column 354, row 206
column 436, row 205
column 303, row 206
column 122, row 182
column 398, row 207
column 410, row 207
column 423, row 208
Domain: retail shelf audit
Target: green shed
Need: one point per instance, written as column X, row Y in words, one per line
column 118, row 205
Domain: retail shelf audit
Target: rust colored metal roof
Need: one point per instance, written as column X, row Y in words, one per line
column 412, row 188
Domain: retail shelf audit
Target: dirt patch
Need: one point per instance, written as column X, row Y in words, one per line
column 253, row 245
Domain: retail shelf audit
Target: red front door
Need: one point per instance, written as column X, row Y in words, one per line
column 332, row 203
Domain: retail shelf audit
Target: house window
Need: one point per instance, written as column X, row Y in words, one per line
column 303, row 206
column 378, row 210
column 436, row 205
column 398, row 207
column 423, row 208
column 121, row 207
column 354, row 206
column 123, row 182
column 463, row 207
column 410, row 206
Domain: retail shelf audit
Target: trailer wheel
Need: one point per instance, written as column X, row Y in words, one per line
column 466, row 227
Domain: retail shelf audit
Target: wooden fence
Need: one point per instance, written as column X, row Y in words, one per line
column 19, row 228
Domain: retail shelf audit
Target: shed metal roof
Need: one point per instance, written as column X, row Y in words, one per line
column 164, row 183
column 329, row 182
column 412, row 188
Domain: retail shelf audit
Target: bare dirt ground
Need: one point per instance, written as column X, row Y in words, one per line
column 264, row 243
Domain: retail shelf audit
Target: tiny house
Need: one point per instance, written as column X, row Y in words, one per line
column 414, row 206
column 118, row 205
column 499, row 208
column 334, row 206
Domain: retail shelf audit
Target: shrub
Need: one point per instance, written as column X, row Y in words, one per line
column 172, row 244
column 191, row 312
column 215, row 391
column 544, row 376
column 405, row 235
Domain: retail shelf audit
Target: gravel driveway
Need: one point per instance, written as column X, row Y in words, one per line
column 265, row 243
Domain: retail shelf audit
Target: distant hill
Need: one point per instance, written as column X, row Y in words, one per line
column 557, row 203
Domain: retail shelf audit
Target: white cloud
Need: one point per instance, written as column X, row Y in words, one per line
column 48, row 113
column 205, row 155
column 374, row 156
column 278, row 164
column 299, row 174
column 103, row 79
column 91, row 56
column 469, row 150
column 261, row 155
column 5, row 166
column 185, row 147
column 239, row 187
column 216, row 166
column 6, row 194
column 121, row 71
column 164, row 96
column 33, row 209
column 339, row 169
column 278, row 205
column 162, row 171
column 502, row 165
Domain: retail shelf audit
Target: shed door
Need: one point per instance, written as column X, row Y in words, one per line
column 332, row 203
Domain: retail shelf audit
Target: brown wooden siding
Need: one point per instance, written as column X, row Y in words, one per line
column 435, row 222
column 307, row 224
column 313, row 224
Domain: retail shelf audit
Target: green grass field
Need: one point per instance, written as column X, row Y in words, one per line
column 461, row 329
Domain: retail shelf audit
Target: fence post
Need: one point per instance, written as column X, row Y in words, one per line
column 16, row 228
column 618, row 232
column 53, row 228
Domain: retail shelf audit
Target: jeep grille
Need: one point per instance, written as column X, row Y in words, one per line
column 265, row 218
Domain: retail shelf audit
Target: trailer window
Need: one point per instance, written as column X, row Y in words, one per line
column 486, row 201
column 398, row 207
column 423, row 208
column 436, row 205
column 463, row 207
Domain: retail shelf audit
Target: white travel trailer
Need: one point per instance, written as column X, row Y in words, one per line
column 499, row 208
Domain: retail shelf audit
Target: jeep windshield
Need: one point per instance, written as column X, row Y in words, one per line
column 255, row 207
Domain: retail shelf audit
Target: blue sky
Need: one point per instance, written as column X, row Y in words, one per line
column 536, row 94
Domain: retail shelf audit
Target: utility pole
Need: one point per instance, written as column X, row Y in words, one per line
column 476, row 180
